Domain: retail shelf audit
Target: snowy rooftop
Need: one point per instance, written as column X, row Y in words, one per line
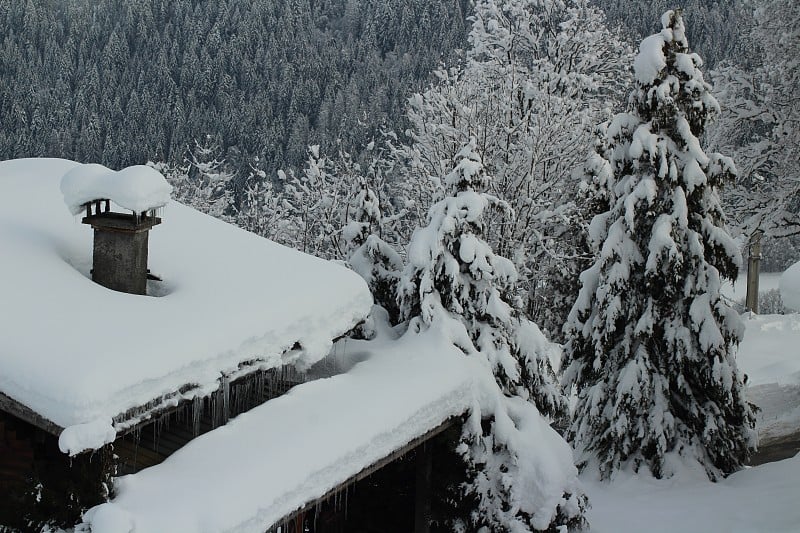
column 279, row 456
column 77, row 353
column 790, row 287
column 360, row 416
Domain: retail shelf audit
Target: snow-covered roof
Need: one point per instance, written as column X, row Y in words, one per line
column 294, row 449
column 79, row 354
column 138, row 188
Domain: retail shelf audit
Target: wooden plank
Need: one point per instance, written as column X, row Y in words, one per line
column 23, row 412
column 422, row 489
column 310, row 506
column 134, row 456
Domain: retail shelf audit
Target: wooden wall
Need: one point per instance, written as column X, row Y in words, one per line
column 40, row 485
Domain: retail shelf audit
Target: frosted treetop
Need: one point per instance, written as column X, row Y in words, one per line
column 650, row 60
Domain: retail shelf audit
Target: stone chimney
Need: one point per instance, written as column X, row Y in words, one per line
column 120, row 246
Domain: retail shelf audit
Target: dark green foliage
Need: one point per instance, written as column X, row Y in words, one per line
column 714, row 28
column 121, row 82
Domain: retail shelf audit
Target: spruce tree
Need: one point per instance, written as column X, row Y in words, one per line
column 651, row 343
column 454, row 276
column 368, row 254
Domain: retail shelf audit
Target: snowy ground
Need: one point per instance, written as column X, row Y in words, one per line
column 770, row 356
column 762, row 499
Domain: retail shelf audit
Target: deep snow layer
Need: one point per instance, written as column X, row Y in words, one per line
column 790, row 287
column 78, row 353
column 770, row 350
column 770, row 356
column 138, row 188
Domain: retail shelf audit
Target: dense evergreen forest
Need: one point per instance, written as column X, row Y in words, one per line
column 124, row 82
column 714, row 27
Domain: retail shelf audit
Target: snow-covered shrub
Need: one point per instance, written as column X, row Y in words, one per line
column 771, row 303
column 651, row 343
column 203, row 181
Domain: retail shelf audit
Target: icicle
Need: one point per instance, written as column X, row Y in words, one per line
column 197, row 413
column 213, row 407
column 226, row 390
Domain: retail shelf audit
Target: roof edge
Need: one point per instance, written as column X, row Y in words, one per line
column 23, row 412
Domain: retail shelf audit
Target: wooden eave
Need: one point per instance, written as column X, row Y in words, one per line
column 123, row 422
column 23, row 412
column 365, row 472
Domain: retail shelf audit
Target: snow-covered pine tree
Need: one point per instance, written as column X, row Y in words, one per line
column 368, row 254
column 651, row 343
column 453, row 275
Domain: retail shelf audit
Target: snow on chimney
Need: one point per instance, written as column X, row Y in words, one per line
column 120, row 239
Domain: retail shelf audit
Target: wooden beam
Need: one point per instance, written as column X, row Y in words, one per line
column 12, row 406
column 753, row 271
column 366, row 472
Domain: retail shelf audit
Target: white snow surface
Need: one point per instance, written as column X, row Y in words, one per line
column 650, row 60
column 770, row 356
column 770, row 350
column 76, row 352
column 138, row 188
column 762, row 499
column 790, row 287
column 273, row 459
column 89, row 436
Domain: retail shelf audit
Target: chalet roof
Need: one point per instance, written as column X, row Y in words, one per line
column 74, row 353
column 279, row 456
